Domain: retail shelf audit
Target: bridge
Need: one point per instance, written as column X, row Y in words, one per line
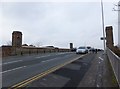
column 45, row 67
column 61, row 69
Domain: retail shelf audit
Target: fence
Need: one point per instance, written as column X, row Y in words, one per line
column 115, row 62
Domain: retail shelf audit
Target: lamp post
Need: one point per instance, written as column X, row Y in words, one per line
column 103, row 26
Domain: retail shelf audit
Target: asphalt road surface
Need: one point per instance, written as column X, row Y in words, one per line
column 91, row 70
column 17, row 69
column 57, row 70
column 68, row 76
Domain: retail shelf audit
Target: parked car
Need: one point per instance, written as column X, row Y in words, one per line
column 81, row 50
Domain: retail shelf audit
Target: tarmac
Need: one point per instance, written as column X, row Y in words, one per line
column 93, row 70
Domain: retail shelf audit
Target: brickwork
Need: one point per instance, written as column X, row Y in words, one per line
column 109, row 37
column 18, row 49
column 109, row 41
column 8, row 50
column 116, row 50
column 71, row 45
column 17, row 39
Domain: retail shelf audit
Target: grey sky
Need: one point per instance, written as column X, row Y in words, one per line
column 58, row 24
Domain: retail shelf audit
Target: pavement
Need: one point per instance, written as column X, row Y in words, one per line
column 92, row 70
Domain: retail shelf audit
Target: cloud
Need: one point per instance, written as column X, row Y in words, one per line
column 54, row 23
column 56, row 0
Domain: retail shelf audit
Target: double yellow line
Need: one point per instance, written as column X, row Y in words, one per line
column 25, row 82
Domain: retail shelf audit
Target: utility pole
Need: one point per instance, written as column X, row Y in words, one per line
column 117, row 9
column 103, row 26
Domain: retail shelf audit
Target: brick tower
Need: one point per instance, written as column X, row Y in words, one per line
column 71, row 45
column 109, row 37
column 16, row 39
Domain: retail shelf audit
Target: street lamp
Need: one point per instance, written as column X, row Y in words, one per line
column 103, row 25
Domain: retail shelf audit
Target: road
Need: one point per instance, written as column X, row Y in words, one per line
column 57, row 70
column 68, row 76
column 18, row 69
column 92, row 70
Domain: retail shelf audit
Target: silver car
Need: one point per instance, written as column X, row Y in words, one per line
column 81, row 50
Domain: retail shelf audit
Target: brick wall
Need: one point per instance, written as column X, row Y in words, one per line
column 116, row 50
column 6, row 51
column 9, row 51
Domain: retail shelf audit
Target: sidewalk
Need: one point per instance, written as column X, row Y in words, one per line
column 100, row 74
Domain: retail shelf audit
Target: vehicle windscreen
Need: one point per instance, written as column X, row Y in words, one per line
column 81, row 48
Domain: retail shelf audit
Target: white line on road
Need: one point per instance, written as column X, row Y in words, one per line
column 54, row 58
column 11, row 62
column 100, row 75
column 13, row 69
column 101, row 58
column 98, row 85
column 42, row 56
column 51, row 59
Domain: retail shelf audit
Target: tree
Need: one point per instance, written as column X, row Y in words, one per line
column 24, row 45
column 38, row 44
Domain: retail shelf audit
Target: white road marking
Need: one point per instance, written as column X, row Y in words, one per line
column 101, row 58
column 98, row 85
column 13, row 69
column 42, row 56
column 10, row 62
column 60, row 53
column 50, row 59
column 100, row 75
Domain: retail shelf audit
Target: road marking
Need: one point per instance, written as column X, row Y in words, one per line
column 54, row 58
column 60, row 53
column 98, row 85
column 51, row 59
column 27, row 81
column 42, row 56
column 10, row 62
column 101, row 58
column 13, row 69
column 100, row 75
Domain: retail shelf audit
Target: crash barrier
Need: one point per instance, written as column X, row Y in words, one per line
column 115, row 63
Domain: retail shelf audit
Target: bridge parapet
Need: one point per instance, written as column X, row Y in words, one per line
column 115, row 63
column 9, row 51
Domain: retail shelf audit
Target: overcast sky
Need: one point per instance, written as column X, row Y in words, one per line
column 57, row 23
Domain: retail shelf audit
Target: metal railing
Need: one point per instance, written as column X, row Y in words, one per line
column 115, row 62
